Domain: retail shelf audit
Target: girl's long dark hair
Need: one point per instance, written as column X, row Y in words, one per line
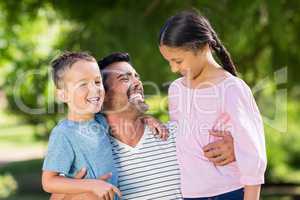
column 190, row 30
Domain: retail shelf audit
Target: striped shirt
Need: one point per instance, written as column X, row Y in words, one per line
column 150, row 169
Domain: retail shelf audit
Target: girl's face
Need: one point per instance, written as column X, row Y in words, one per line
column 188, row 63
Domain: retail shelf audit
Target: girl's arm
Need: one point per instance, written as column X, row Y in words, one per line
column 251, row 192
column 53, row 183
column 247, row 129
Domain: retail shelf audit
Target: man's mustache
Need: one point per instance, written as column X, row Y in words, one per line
column 139, row 103
column 135, row 89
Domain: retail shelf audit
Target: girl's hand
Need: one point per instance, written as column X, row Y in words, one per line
column 157, row 127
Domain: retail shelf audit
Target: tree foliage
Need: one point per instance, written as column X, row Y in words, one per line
column 261, row 35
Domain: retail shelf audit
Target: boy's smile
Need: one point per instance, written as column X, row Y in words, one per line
column 94, row 100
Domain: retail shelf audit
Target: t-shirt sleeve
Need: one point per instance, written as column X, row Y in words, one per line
column 60, row 154
column 248, row 133
column 100, row 118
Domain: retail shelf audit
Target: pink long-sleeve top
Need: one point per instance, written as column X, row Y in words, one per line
column 196, row 111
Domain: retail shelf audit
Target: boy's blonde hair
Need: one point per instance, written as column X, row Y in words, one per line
column 65, row 61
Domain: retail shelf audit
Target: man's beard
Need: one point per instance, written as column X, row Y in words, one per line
column 136, row 99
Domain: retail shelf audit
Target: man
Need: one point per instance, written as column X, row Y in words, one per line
column 146, row 164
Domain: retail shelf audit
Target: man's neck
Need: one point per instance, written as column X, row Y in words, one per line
column 129, row 129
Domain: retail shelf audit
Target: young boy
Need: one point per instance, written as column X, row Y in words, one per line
column 81, row 140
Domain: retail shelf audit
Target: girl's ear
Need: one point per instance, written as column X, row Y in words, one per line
column 61, row 95
column 203, row 50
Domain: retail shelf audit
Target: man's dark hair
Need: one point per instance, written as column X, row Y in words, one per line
column 65, row 61
column 108, row 60
column 112, row 58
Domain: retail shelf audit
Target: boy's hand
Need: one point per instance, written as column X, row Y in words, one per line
column 104, row 190
column 157, row 127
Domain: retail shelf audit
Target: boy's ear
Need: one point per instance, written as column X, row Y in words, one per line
column 61, row 95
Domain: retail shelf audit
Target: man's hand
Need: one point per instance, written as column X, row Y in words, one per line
column 157, row 127
column 220, row 152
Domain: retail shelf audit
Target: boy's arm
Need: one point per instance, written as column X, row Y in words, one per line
column 53, row 183
column 87, row 196
column 251, row 192
column 81, row 196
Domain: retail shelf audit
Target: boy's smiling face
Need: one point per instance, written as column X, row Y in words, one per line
column 83, row 89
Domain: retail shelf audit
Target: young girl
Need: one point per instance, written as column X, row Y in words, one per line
column 207, row 91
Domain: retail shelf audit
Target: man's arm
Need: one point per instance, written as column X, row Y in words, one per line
column 220, row 152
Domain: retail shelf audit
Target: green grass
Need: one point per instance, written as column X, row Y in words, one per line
column 18, row 136
column 277, row 198
column 27, row 174
column 28, row 197
column 15, row 134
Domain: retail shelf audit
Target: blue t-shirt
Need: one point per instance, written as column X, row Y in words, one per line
column 74, row 145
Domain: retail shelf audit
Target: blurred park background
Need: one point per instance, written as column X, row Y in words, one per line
column 263, row 37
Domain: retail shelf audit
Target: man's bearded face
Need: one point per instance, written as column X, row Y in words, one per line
column 124, row 90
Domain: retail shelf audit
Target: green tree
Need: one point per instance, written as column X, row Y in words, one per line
column 262, row 36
